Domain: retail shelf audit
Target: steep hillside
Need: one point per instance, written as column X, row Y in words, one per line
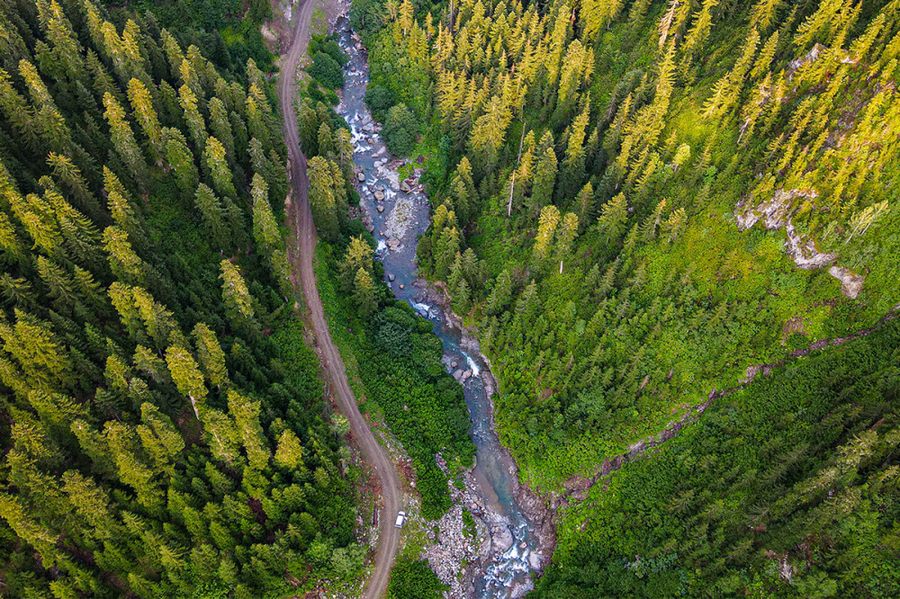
column 162, row 424
column 636, row 201
column 788, row 488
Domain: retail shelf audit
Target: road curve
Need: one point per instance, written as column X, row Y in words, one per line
column 300, row 222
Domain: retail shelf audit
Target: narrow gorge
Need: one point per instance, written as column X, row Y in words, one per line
column 514, row 534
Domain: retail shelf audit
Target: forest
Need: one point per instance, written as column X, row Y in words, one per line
column 637, row 204
column 788, row 488
column 163, row 425
column 636, row 201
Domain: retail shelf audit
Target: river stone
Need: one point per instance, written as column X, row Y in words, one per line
column 402, row 286
column 501, row 537
column 534, row 560
column 457, row 374
column 393, row 244
column 379, row 196
column 454, row 364
column 361, row 176
column 391, row 277
column 380, row 208
column 404, row 187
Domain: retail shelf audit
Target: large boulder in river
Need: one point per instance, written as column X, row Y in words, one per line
column 379, row 196
column 404, row 187
column 360, row 176
column 501, row 537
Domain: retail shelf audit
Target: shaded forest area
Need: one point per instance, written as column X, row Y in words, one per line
column 229, row 31
column 788, row 488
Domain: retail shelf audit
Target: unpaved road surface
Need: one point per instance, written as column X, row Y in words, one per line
column 303, row 243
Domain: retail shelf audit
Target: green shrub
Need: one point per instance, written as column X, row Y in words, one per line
column 414, row 580
column 401, row 129
column 367, row 16
column 326, row 70
column 380, row 99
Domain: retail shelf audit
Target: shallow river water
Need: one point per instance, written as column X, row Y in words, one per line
column 397, row 221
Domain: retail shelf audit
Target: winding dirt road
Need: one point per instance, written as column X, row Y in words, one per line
column 302, row 246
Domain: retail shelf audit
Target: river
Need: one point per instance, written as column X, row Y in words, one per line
column 397, row 218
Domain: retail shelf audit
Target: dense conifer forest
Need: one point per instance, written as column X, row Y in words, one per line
column 163, row 425
column 635, row 203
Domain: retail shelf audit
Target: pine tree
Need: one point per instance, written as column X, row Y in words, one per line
column 180, row 160
column 358, row 256
column 573, row 165
column 130, row 465
column 444, row 250
column 236, row 297
column 196, row 126
column 546, row 230
column 289, row 453
column 323, row 195
column 91, row 503
column 220, row 125
column 210, row 355
column 123, row 139
column 124, row 262
column 187, row 377
column 213, row 215
column 37, row 352
column 69, row 175
column 30, row 530
column 67, row 50
column 613, row 219
column 565, row 237
column 222, row 436
column 544, row 176
column 246, row 417
column 158, row 321
column 700, row 28
column 219, row 171
column 51, row 124
column 674, row 225
column 364, row 293
column 18, row 113
column 584, row 203
column 121, row 207
column 501, row 294
column 489, row 133
column 265, row 228
column 145, row 115
column 159, row 437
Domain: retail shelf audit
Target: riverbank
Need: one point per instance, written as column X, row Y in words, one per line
column 539, row 510
column 513, row 529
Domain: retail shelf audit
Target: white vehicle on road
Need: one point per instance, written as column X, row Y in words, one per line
column 401, row 518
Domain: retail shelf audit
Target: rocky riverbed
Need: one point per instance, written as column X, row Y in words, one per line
column 513, row 531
